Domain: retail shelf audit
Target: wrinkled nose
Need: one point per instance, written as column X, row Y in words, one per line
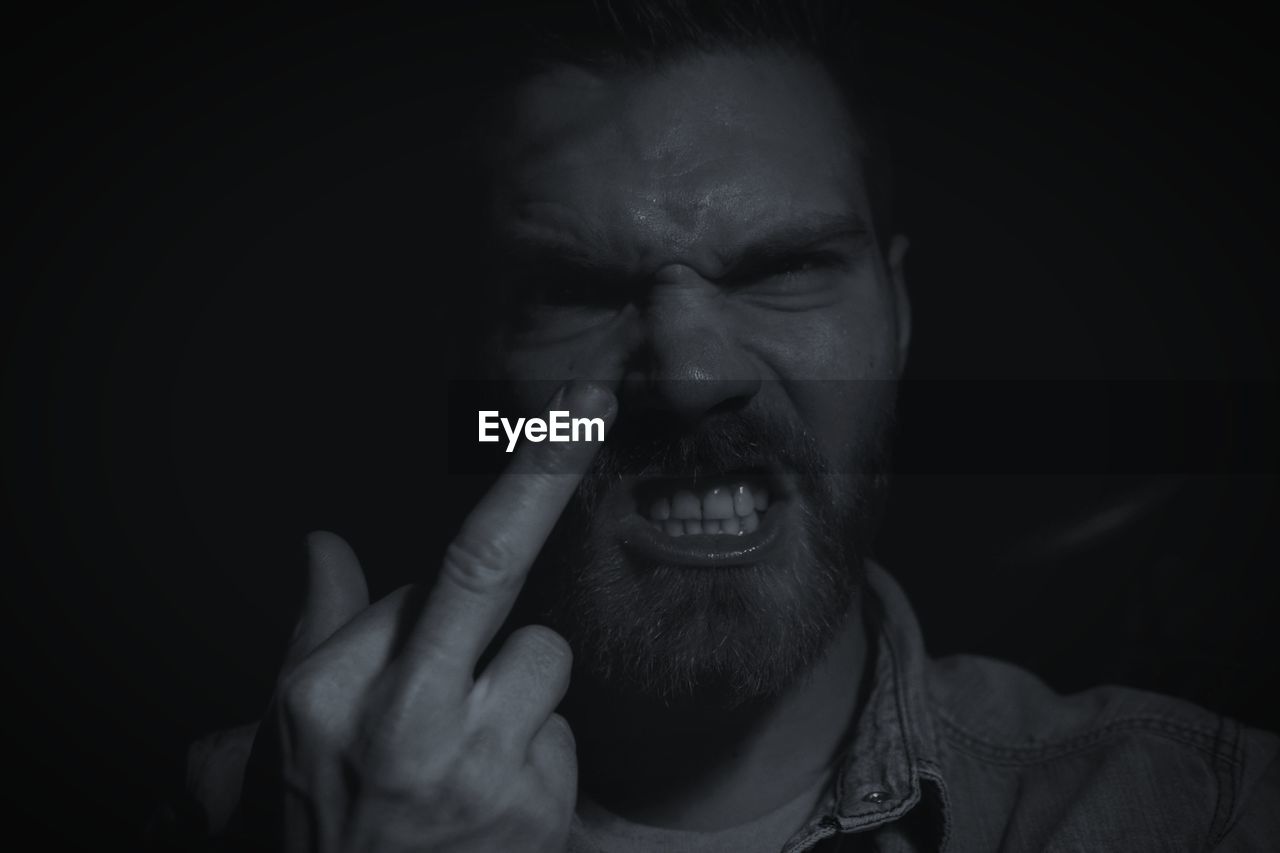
column 689, row 362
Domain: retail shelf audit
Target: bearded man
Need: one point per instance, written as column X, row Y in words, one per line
column 678, row 640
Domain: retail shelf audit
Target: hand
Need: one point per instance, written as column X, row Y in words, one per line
column 381, row 735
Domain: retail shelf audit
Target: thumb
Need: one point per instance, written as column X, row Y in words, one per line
column 335, row 592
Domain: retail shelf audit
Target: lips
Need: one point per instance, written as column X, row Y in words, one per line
column 725, row 520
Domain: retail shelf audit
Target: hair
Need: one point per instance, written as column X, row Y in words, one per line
column 516, row 40
column 491, row 46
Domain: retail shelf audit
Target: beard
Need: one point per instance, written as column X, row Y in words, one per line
column 707, row 636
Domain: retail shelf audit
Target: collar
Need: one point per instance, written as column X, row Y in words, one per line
column 889, row 776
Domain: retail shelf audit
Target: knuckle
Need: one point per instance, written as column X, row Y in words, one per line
column 304, row 694
column 385, row 776
column 557, row 728
column 486, row 748
column 312, row 701
column 475, row 776
column 550, row 649
column 477, row 783
column 539, row 816
column 477, row 563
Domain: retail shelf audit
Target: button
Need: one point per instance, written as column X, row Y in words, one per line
column 876, row 797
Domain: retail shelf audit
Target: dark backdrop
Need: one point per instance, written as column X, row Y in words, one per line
column 230, row 267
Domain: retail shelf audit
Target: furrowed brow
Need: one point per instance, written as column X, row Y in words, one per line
column 539, row 249
column 532, row 259
column 530, row 240
column 526, row 247
column 796, row 238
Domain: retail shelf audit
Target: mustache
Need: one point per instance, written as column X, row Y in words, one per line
column 648, row 445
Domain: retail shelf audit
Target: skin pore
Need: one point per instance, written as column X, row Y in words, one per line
column 697, row 234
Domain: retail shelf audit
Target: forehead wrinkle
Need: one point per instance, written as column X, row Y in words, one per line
column 637, row 221
column 596, row 197
column 667, row 222
column 549, row 224
column 675, row 163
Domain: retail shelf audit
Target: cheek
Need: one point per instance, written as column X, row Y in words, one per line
column 839, row 369
column 869, row 335
column 854, row 339
column 846, row 416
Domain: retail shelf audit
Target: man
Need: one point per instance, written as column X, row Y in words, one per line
column 678, row 640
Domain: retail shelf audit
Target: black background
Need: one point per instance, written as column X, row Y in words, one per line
column 229, row 261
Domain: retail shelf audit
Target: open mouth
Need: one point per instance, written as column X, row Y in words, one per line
column 734, row 518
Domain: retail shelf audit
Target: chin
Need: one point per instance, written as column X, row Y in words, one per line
column 711, row 568
column 717, row 635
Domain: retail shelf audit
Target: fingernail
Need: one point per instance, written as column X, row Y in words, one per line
column 589, row 398
column 557, row 399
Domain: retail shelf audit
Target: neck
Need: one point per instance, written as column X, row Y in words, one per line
column 706, row 769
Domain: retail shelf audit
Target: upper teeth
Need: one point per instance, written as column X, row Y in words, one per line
column 733, row 509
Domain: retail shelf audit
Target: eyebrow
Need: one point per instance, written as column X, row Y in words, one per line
column 528, row 246
column 769, row 246
column 791, row 239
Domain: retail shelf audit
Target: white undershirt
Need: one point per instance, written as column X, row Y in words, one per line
column 601, row 831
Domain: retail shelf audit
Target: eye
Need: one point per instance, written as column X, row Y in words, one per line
column 800, row 264
column 561, row 287
column 560, row 290
column 787, row 270
column 557, row 302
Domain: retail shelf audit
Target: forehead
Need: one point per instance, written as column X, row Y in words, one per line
column 653, row 163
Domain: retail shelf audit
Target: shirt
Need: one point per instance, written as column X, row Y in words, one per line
column 595, row 828
column 966, row 753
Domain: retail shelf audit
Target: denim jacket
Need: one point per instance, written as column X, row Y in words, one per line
column 966, row 753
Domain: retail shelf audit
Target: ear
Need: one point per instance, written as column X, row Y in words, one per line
column 901, row 301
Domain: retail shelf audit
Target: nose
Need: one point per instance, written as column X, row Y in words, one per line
column 690, row 362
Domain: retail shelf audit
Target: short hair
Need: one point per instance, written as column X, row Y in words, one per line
column 518, row 39
column 484, row 49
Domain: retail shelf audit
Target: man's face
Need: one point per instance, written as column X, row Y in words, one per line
column 700, row 234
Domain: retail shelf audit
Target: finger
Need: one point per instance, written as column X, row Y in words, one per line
column 323, row 699
column 554, row 754
column 486, row 565
column 525, row 681
column 350, row 660
column 215, row 772
column 335, row 592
